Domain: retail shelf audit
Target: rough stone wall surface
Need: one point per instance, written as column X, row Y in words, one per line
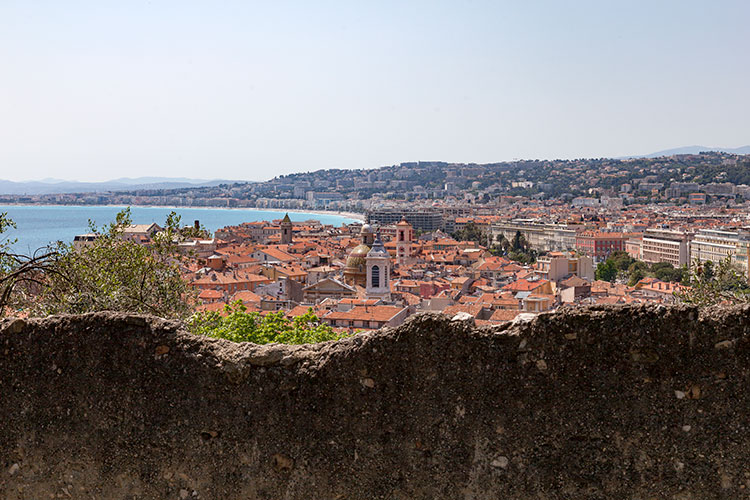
column 606, row 403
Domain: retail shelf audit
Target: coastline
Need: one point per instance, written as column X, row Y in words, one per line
column 348, row 215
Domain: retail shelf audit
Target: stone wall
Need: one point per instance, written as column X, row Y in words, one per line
column 610, row 403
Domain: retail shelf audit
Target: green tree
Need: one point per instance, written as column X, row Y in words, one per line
column 528, row 257
column 471, row 232
column 501, row 245
column 705, row 272
column 519, row 243
column 119, row 275
column 606, row 271
column 20, row 275
column 711, row 284
column 238, row 325
column 517, row 249
column 621, row 260
column 636, row 272
column 503, row 242
column 665, row 271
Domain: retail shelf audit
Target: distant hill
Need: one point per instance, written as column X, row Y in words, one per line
column 694, row 150
column 57, row 186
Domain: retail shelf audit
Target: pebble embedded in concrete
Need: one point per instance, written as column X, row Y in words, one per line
column 726, row 482
column 500, row 462
column 282, row 462
column 724, row 344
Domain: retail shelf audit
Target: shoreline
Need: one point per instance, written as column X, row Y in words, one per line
column 349, row 215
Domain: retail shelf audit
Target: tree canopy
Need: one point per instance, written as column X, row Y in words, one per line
column 471, row 232
column 715, row 284
column 238, row 325
column 115, row 274
column 621, row 266
column 20, row 275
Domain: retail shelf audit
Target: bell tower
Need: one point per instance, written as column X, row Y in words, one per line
column 286, row 230
column 404, row 239
column 378, row 271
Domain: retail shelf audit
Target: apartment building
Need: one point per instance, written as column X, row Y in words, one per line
column 425, row 220
column 540, row 235
column 556, row 266
column 598, row 245
column 662, row 245
column 633, row 247
column 716, row 245
column 697, row 198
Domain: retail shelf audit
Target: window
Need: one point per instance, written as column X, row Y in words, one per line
column 375, row 282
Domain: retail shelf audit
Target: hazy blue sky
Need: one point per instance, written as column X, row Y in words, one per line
column 247, row 90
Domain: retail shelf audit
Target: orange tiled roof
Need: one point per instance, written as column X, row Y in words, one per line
column 365, row 313
column 504, row 315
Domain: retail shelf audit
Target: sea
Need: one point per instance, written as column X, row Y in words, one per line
column 41, row 225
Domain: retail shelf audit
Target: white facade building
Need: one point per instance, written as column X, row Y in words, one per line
column 661, row 245
column 378, row 271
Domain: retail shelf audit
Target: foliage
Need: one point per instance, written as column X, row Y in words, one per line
column 606, row 271
column 184, row 232
column 241, row 326
column 6, row 261
column 527, row 257
column 471, row 232
column 665, row 271
column 636, row 272
column 616, row 266
column 518, row 249
column 716, row 283
column 20, row 275
column 519, row 242
column 621, row 260
column 620, row 266
column 502, row 241
column 119, row 275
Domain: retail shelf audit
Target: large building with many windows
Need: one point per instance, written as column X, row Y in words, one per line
column 556, row 266
column 598, row 245
column 716, row 245
column 425, row 220
column 662, row 245
column 540, row 235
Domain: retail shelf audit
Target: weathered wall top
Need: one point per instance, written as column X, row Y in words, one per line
column 631, row 402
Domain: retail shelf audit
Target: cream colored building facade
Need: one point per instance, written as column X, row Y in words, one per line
column 661, row 245
column 716, row 245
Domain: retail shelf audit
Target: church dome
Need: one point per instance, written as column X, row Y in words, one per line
column 355, row 271
column 357, row 256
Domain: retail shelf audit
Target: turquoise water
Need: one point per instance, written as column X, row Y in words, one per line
column 41, row 225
